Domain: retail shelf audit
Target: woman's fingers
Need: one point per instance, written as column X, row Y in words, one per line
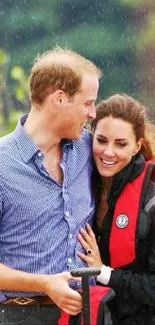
column 84, row 243
column 88, row 242
column 84, row 257
column 90, row 232
column 87, row 238
column 91, row 260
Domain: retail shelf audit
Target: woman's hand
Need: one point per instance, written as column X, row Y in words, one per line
column 88, row 242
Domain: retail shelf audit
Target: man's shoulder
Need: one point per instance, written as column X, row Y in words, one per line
column 6, row 148
column 85, row 139
column 149, row 201
column 6, row 141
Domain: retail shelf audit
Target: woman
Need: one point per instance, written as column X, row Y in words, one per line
column 124, row 226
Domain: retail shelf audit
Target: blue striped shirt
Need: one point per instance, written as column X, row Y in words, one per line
column 39, row 217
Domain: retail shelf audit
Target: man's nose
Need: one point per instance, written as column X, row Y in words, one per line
column 92, row 111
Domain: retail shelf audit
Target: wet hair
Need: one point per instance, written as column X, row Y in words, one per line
column 59, row 68
column 130, row 110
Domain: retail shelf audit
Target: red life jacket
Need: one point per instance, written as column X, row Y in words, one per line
column 122, row 246
column 122, row 240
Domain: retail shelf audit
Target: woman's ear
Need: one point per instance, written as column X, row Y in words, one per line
column 138, row 146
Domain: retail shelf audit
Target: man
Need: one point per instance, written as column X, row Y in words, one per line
column 45, row 191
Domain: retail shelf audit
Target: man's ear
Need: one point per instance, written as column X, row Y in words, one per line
column 59, row 97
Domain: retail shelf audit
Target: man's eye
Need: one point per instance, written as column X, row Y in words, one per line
column 88, row 104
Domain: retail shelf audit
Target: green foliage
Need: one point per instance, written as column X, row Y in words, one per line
column 133, row 3
column 4, row 58
column 119, row 35
column 14, row 116
column 21, row 88
column 147, row 36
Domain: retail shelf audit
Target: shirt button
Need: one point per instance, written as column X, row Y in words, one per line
column 70, row 236
column 67, row 213
column 39, row 154
column 69, row 260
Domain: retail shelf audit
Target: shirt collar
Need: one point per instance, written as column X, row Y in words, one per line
column 26, row 145
column 67, row 142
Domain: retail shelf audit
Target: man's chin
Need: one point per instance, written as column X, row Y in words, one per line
column 77, row 136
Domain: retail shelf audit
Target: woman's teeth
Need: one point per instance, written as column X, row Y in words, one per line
column 108, row 162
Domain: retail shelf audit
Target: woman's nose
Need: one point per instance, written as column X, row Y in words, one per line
column 109, row 151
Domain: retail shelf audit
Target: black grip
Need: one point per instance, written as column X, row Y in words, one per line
column 86, row 271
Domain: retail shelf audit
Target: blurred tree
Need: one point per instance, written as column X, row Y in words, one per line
column 21, row 88
column 4, row 94
column 113, row 33
column 144, row 50
column 8, row 116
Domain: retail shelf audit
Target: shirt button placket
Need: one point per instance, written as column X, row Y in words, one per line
column 67, row 214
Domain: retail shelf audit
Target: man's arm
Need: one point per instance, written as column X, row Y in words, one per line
column 55, row 286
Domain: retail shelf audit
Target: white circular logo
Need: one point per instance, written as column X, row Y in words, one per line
column 122, row 220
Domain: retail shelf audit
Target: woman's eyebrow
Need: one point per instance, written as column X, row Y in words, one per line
column 121, row 139
column 117, row 139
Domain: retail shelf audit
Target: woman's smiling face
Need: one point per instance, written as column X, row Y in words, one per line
column 114, row 144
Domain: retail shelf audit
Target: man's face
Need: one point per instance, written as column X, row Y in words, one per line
column 80, row 108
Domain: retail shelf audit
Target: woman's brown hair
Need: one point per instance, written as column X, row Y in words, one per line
column 132, row 111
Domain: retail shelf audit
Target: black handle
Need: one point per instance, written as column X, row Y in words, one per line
column 86, row 273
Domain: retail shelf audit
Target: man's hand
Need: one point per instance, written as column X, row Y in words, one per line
column 57, row 288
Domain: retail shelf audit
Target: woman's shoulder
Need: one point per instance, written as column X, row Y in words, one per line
column 149, row 202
